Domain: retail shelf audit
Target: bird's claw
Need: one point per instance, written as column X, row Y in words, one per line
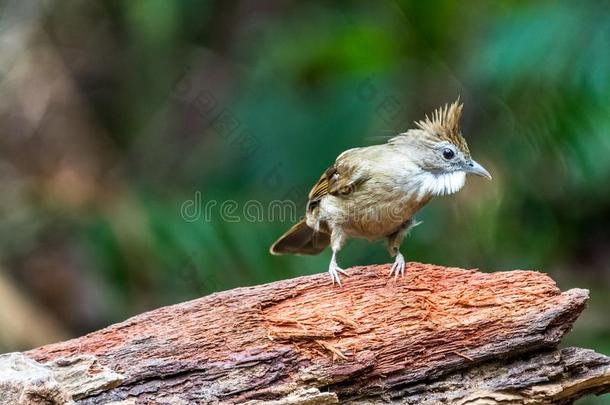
column 334, row 271
column 398, row 267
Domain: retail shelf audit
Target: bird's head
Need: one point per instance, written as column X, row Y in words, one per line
column 440, row 152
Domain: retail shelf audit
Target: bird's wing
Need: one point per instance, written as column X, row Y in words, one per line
column 342, row 178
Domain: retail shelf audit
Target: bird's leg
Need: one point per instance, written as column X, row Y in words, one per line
column 394, row 242
column 334, row 270
column 399, row 264
column 337, row 240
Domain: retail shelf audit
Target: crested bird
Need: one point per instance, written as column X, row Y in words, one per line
column 373, row 192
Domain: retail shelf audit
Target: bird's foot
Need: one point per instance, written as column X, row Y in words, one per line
column 398, row 267
column 334, row 271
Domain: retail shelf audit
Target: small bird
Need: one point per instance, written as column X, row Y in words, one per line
column 373, row 192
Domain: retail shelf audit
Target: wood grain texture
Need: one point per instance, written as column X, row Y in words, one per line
column 304, row 341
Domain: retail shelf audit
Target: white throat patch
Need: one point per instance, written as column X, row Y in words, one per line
column 440, row 184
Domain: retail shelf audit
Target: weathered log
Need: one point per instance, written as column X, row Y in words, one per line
column 438, row 335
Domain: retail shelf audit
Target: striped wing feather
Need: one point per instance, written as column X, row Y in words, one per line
column 339, row 179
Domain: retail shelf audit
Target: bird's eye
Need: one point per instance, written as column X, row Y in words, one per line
column 448, row 153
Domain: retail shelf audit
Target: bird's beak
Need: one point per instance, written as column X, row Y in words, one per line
column 475, row 168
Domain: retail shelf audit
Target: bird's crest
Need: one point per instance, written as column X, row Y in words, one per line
column 445, row 124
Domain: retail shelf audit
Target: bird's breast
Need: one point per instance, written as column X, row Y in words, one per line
column 370, row 215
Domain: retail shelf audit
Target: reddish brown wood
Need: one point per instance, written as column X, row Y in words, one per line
column 372, row 337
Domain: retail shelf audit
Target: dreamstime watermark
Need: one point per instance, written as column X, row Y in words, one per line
column 222, row 119
column 387, row 106
column 196, row 209
column 226, row 123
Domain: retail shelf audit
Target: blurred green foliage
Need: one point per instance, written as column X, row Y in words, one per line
column 253, row 100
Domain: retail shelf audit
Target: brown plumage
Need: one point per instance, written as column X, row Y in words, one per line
column 373, row 192
column 301, row 239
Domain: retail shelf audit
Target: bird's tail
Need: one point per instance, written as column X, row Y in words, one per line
column 300, row 239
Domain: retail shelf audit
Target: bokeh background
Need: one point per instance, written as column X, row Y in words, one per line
column 116, row 115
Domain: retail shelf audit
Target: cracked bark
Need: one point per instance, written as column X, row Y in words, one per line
column 439, row 335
